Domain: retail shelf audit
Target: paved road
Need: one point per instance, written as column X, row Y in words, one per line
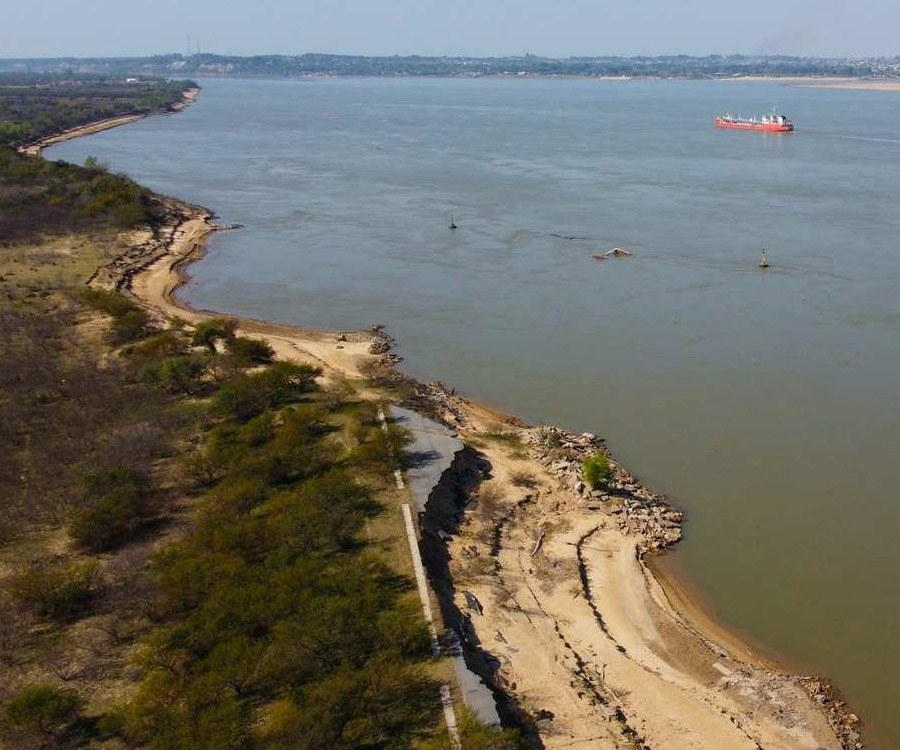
column 431, row 452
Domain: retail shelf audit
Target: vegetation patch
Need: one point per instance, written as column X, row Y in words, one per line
column 596, row 471
column 113, row 508
column 39, row 198
column 34, row 105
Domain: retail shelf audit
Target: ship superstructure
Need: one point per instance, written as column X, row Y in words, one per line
column 771, row 123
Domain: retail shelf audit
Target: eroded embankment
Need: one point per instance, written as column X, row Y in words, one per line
column 546, row 580
column 441, row 520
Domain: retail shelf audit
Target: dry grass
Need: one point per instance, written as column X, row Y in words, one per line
column 489, row 502
column 473, row 570
column 524, row 479
column 511, row 441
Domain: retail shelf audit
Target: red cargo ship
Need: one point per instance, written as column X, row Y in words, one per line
column 767, row 123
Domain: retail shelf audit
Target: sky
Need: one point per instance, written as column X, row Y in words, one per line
column 556, row 28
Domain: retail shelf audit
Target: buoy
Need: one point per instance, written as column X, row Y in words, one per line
column 452, row 222
column 764, row 261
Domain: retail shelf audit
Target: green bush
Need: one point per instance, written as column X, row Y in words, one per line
column 60, row 592
column 44, row 709
column 114, row 507
column 130, row 322
column 280, row 630
column 596, row 470
column 208, row 332
column 111, row 303
column 183, row 374
column 279, row 384
column 382, row 451
column 474, row 735
column 165, row 344
column 248, row 352
column 131, row 326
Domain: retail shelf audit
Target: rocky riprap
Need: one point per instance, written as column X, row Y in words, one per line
column 382, row 343
column 637, row 509
column 843, row 721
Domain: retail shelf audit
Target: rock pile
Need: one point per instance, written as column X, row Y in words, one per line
column 638, row 510
column 845, row 724
column 443, row 401
column 382, row 343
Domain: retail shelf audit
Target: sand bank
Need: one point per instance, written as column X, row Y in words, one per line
column 588, row 644
column 813, row 82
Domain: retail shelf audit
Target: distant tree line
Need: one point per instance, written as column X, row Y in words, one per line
column 659, row 66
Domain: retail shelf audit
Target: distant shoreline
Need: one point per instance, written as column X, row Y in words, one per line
column 824, row 82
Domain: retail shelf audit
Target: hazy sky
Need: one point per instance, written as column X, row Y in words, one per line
column 439, row 27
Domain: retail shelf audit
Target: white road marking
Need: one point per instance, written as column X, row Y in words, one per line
column 421, row 582
column 422, row 585
column 450, row 717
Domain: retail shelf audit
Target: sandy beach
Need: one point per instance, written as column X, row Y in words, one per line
column 588, row 643
column 812, row 82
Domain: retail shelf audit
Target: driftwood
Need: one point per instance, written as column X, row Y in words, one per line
column 616, row 252
column 538, row 544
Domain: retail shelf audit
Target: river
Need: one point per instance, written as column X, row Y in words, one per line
column 765, row 404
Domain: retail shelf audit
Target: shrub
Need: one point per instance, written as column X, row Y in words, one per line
column 183, row 374
column 279, row 384
column 44, row 709
column 508, row 438
column 489, row 502
column 130, row 322
column 133, row 325
column 247, row 352
column 208, row 332
column 382, row 451
column 596, row 470
column 165, row 344
column 115, row 505
column 58, row 592
column 114, row 305
column 474, row 735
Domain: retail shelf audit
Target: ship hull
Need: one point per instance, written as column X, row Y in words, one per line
column 761, row 127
